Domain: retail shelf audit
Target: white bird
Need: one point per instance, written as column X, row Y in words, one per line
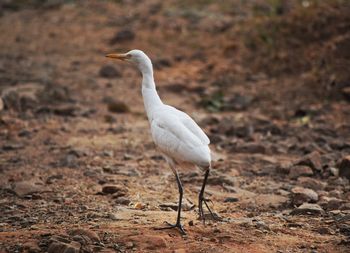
column 176, row 134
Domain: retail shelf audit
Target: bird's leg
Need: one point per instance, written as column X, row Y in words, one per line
column 202, row 200
column 178, row 220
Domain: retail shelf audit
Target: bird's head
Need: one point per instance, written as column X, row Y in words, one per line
column 134, row 56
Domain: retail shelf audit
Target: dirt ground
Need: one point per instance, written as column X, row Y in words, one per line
column 268, row 81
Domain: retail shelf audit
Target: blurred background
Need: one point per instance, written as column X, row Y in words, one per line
column 268, row 80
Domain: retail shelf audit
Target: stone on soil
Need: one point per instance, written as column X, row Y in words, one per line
column 108, row 71
column 313, row 160
column 300, row 170
column 271, row 200
column 344, row 167
column 312, row 183
column 330, row 203
column 27, row 187
column 122, row 36
column 85, row 233
column 301, row 195
column 307, row 208
column 111, row 189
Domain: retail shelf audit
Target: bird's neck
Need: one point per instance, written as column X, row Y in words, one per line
column 150, row 96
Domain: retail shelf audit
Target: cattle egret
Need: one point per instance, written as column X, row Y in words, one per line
column 176, row 135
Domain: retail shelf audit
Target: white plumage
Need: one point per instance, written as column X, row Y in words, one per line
column 175, row 133
column 179, row 137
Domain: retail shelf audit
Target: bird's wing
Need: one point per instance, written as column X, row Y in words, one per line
column 171, row 129
column 176, row 139
column 190, row 124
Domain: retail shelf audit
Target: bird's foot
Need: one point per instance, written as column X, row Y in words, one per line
column 202, row 216
column 170, row 226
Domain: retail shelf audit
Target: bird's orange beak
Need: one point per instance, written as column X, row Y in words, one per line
column 122, row 57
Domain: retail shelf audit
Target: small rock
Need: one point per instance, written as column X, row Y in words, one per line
column 117, row 106
column 1, row 104
column 122, row 201
column 80, row 239
column 334, row 171
column 148, row 242
column 31, row 247
column 61, row 247
column 250, row 148
column 312, row 183
column 122, row 36
column 271, row 200
column 12, row 146
column 284, row 167
column 121, row 170
column 160, row 63
column 307, row 208
column 139, row 205
column 301, row 195
column 262, row 226
column 324, row 231
column 346, row 93
column 336, row 194
column 330, row 203
column 176, row 87
column 27, row 187
column 62, row 110
column 60, row 238
column 345, row 206
column 112, row 216
column 110, row 189
column 300, row 170
column 85, row 232
column 238, row 102
column 186, row 205
column 129, row 245
column 231, row 200
column 108, row 71
column 344, row 167
column 313, row 160
column 21, row 97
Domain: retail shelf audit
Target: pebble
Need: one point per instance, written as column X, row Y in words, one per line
column 21, row 97
column 271, row 200
column 330, row 203
column 122, row 36
column 27, row 187
column 324, row 231
column 300, row 170
column 61, row 247
column 117, row 106
column 186, row 205
column 346, row 92
column 148, row 242
column 231, row 200
column 111, row 189
column 139, row 205
column 312, row 183
column 301, row 195
column 307, row 208
column 262, row 226
column 31, row 247
column 344, row 167
column 85, row 233
column 313, row 160
column 112, row 216
column 122, row 201
column 334, row 171
column 109, row 71
column 1, row 104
